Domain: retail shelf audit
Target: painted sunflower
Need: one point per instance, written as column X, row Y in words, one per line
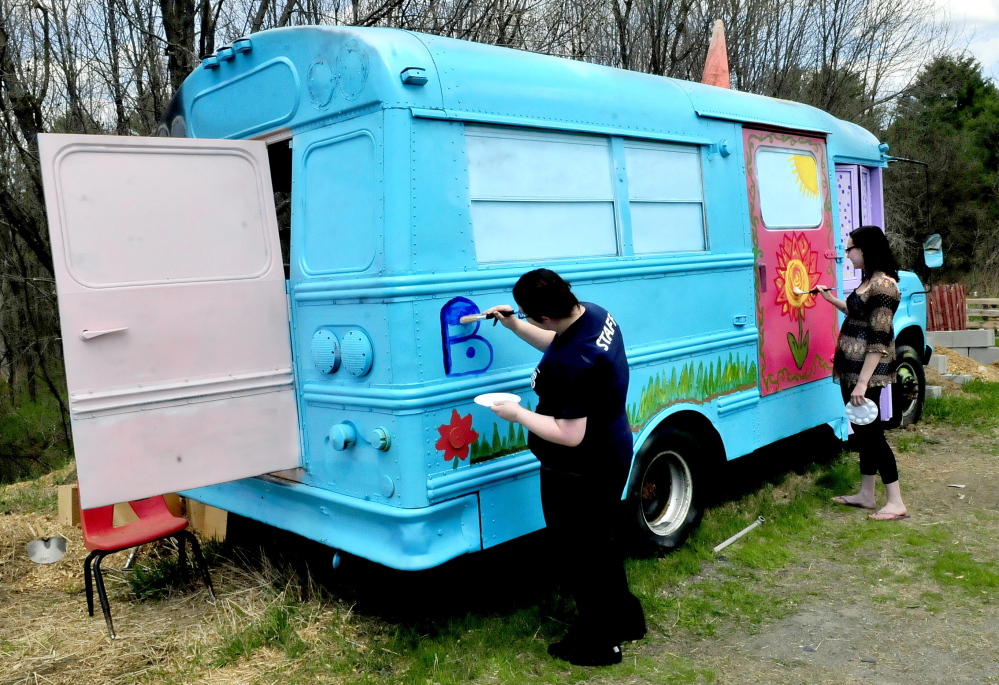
column 796, row 268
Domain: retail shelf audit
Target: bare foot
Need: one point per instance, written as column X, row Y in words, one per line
column 890, row 512
column 855, row 501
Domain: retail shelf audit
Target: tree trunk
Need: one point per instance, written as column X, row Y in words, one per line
column 178, row 25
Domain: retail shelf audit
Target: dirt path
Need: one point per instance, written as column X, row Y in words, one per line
column 853, row 630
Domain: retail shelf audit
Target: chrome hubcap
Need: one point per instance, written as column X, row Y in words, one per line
column 667, row 491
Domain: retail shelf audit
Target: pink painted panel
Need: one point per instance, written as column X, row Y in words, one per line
column 172, row 246
column 797, row 333
column 178, row 447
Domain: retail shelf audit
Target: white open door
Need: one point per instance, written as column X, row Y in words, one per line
column 173, row 311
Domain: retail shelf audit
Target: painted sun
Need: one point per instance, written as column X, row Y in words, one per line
column 796, row 268
column 806, row 173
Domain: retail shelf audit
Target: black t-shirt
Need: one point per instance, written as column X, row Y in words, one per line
column 584, row 372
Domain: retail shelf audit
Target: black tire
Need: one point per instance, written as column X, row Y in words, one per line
column 665, row 502
column 909, row 389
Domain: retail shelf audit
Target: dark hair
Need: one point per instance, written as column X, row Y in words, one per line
column 877, row 252
column 543, row 292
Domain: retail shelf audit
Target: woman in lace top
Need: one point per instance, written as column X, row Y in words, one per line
column 865, row 363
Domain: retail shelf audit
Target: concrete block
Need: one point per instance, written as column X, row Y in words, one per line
column 939, row 338
column 933, row 392
column 69, row 505
column 938, row 362
column 952, row 339
column 984, row 355
column 978, row 338
column 960, row 350
column 959, row 378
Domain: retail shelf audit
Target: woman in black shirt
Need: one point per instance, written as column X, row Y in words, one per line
column 581, row 436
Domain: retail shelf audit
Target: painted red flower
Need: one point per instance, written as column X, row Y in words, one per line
column 456, row 437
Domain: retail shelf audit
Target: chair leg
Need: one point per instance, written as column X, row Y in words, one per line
column 200, row 561
column 88, row 582
column 130, row 562
column 182, row 557
column 103, row 594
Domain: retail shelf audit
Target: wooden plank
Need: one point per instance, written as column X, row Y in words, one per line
column 979, row 325
column 123, row 514
column 69, row 505
column 950, row 320
column 963, row 311
column 933, row 322
column 983, row 312
column 978, row 301
column 209, row 522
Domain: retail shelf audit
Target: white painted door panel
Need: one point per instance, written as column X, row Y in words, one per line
column 168, row 250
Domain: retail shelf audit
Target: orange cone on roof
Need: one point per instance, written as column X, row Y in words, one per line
column 716, row 64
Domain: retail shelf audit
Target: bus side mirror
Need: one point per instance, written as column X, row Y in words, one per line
column 933, row 251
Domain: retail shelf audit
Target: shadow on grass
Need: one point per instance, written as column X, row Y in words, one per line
column 813, row 451
column 505, row 580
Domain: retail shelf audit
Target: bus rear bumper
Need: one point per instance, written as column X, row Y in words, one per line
column 404, row 539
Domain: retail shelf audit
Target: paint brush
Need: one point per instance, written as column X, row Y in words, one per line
column 798, row 291
column 471, row 318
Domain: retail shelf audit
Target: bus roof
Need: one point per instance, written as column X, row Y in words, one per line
column 293, row 77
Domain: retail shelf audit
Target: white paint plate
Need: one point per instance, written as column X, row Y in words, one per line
column 491, row 398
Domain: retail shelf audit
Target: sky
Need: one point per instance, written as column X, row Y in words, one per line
column 976, row 25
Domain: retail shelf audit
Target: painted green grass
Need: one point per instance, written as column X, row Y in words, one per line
column 692, row 383
column 496, row 445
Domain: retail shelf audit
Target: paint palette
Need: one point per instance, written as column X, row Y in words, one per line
column 491, row 398
column 862, row 415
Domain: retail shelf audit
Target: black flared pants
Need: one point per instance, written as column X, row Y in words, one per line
column 581, row 514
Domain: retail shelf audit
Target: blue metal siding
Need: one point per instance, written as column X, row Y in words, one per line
column 389, row 243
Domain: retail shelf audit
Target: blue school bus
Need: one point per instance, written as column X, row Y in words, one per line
column 325, row 204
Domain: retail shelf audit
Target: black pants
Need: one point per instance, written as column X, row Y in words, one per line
column 875, row 453
column 581, row 515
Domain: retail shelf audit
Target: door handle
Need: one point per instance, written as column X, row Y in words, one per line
column 90, row 335
column 762, row 270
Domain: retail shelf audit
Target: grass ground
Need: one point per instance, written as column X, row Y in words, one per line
column 816, row 594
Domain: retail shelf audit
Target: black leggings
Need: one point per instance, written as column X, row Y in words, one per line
column 875, row 453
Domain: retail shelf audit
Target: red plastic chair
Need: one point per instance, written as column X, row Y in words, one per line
column 155, row 522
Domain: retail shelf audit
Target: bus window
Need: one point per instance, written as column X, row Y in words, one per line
column 666, row 197
column 342, row 199
column 539, row 195
column 789, row 188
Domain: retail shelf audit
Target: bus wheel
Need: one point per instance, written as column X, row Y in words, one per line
column 909, row 389
column 665, row 502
